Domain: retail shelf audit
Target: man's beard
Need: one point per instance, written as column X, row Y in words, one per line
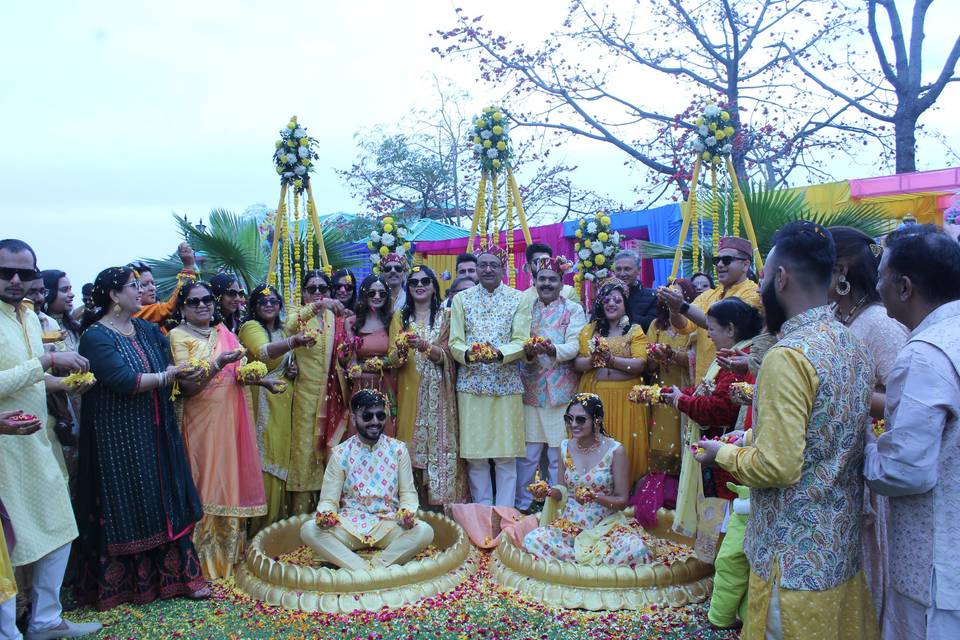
column 774, row 312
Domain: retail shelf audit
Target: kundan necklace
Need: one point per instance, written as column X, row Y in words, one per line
column 845, row 319
column 591, row 448
column 198, row 330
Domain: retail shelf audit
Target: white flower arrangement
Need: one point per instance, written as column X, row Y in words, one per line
column 390, row 237
column 595, row 246
column 490, row 141
column 387, row 239
column 592, row 227
column 713, row 135
column 294, row 154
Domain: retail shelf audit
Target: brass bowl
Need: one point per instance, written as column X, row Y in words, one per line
column 605, row 588
column 294, row 586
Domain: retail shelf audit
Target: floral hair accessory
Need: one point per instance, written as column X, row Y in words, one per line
column 584, row 397
column 558, row 264
column 380, row 396
column 500, row 253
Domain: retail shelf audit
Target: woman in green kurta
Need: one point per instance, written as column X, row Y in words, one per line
column 316, row 320
column 267, row 341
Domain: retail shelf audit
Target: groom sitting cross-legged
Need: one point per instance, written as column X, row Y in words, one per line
column 368, row 499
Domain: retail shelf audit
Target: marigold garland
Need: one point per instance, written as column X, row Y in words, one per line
column 715, row 214
column 296, row 241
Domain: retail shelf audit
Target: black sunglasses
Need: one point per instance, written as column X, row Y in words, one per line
column 234, row 293
column 376, row 293
column 343, row 286
column 370, row 415
column 268, row 302
column 25, row 275
column 313, row 288
column 725, row 260
column 196, row 302
column 419, row 282
column 569, row 419
column 394, row 267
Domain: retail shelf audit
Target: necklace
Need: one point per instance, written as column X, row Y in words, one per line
column 845, row 319
column 112, row 325
column 198, row 330
column 596, row 445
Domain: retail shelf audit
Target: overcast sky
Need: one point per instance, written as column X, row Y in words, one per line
column 115, row 114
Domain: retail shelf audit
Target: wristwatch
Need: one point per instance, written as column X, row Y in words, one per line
column 685, row 307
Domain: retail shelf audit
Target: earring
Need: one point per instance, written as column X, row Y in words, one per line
column 843, row 286
column 116, row 311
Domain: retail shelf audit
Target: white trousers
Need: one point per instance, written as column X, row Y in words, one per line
column 527, row 470
column 336, row 545
column 481, row 486
column 46, row 608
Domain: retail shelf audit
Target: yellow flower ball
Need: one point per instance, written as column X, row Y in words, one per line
column 587, row 243
column 713, row 126
column 388, row 228
column 576, row 246
column 384, row 251
column 600, row 259
column 577, row 277
column 706, row 155
column 497, row 117
column 587, row 263
column 720, row 135
column 578, row 233
column 602, row 236
column 476, row 139
column 699, row 121
column 502, row 145
column 305, row 162
column 583, row 223
column 406, row 245
column 497, row 130
column 495, row 163
column 388, row 220
column 279, row 143
column 487, row 144
column 370, row 244
column 279, row 169
column 291, row 125
column 481, row 123
column 729, row 131
column 724, row 115
column 291, row 143
column 605, row 220
column 304, row 142
column 715, row 159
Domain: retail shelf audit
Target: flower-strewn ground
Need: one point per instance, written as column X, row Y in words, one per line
column 478, row 608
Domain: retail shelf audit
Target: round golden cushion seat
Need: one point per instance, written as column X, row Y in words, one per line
column 605, row 588
column 307, row 588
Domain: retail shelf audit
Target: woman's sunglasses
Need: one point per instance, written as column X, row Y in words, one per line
column 569, row 419
column 419, row 282
column 196, row 302
column 376, row 293
column 235, row 293
column 312, row 289
column 725, row 260
column 370, row 415
column 342, row 287
column 268, row 302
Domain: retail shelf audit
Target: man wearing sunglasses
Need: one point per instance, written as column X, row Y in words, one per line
column 32, row 487
column 159, row 312
column 393, row 268
column 732, row 263
column 489, row 324
column 368, row 485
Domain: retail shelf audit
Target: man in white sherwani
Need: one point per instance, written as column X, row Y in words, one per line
column 32, row 488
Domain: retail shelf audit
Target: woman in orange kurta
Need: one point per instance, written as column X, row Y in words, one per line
column 218, row 433
column 612, row 358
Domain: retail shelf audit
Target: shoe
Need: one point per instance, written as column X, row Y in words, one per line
column 65, row 629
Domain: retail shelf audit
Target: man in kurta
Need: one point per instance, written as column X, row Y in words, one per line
column 368, row 500
column 915, row 460
column 733, row 261
column 32, row 488
column 159, row 312
column 549, row 379
column 488, row 325
column 804, row 466
column 534, row 253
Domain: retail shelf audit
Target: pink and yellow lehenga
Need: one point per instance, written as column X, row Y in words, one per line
column 218, row 431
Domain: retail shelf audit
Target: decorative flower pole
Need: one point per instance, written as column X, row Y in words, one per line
column 293, row 158
column 491, row 146
column 713, row 144
column 391, row 237
column 596, row 247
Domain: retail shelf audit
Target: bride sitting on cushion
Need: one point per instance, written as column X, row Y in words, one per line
column 592, row 491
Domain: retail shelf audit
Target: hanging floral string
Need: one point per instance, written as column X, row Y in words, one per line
column 512, row 272
column 284, row 226
column 695, row 240
column 310, row 232
column 296, row 240
column 715, row 212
